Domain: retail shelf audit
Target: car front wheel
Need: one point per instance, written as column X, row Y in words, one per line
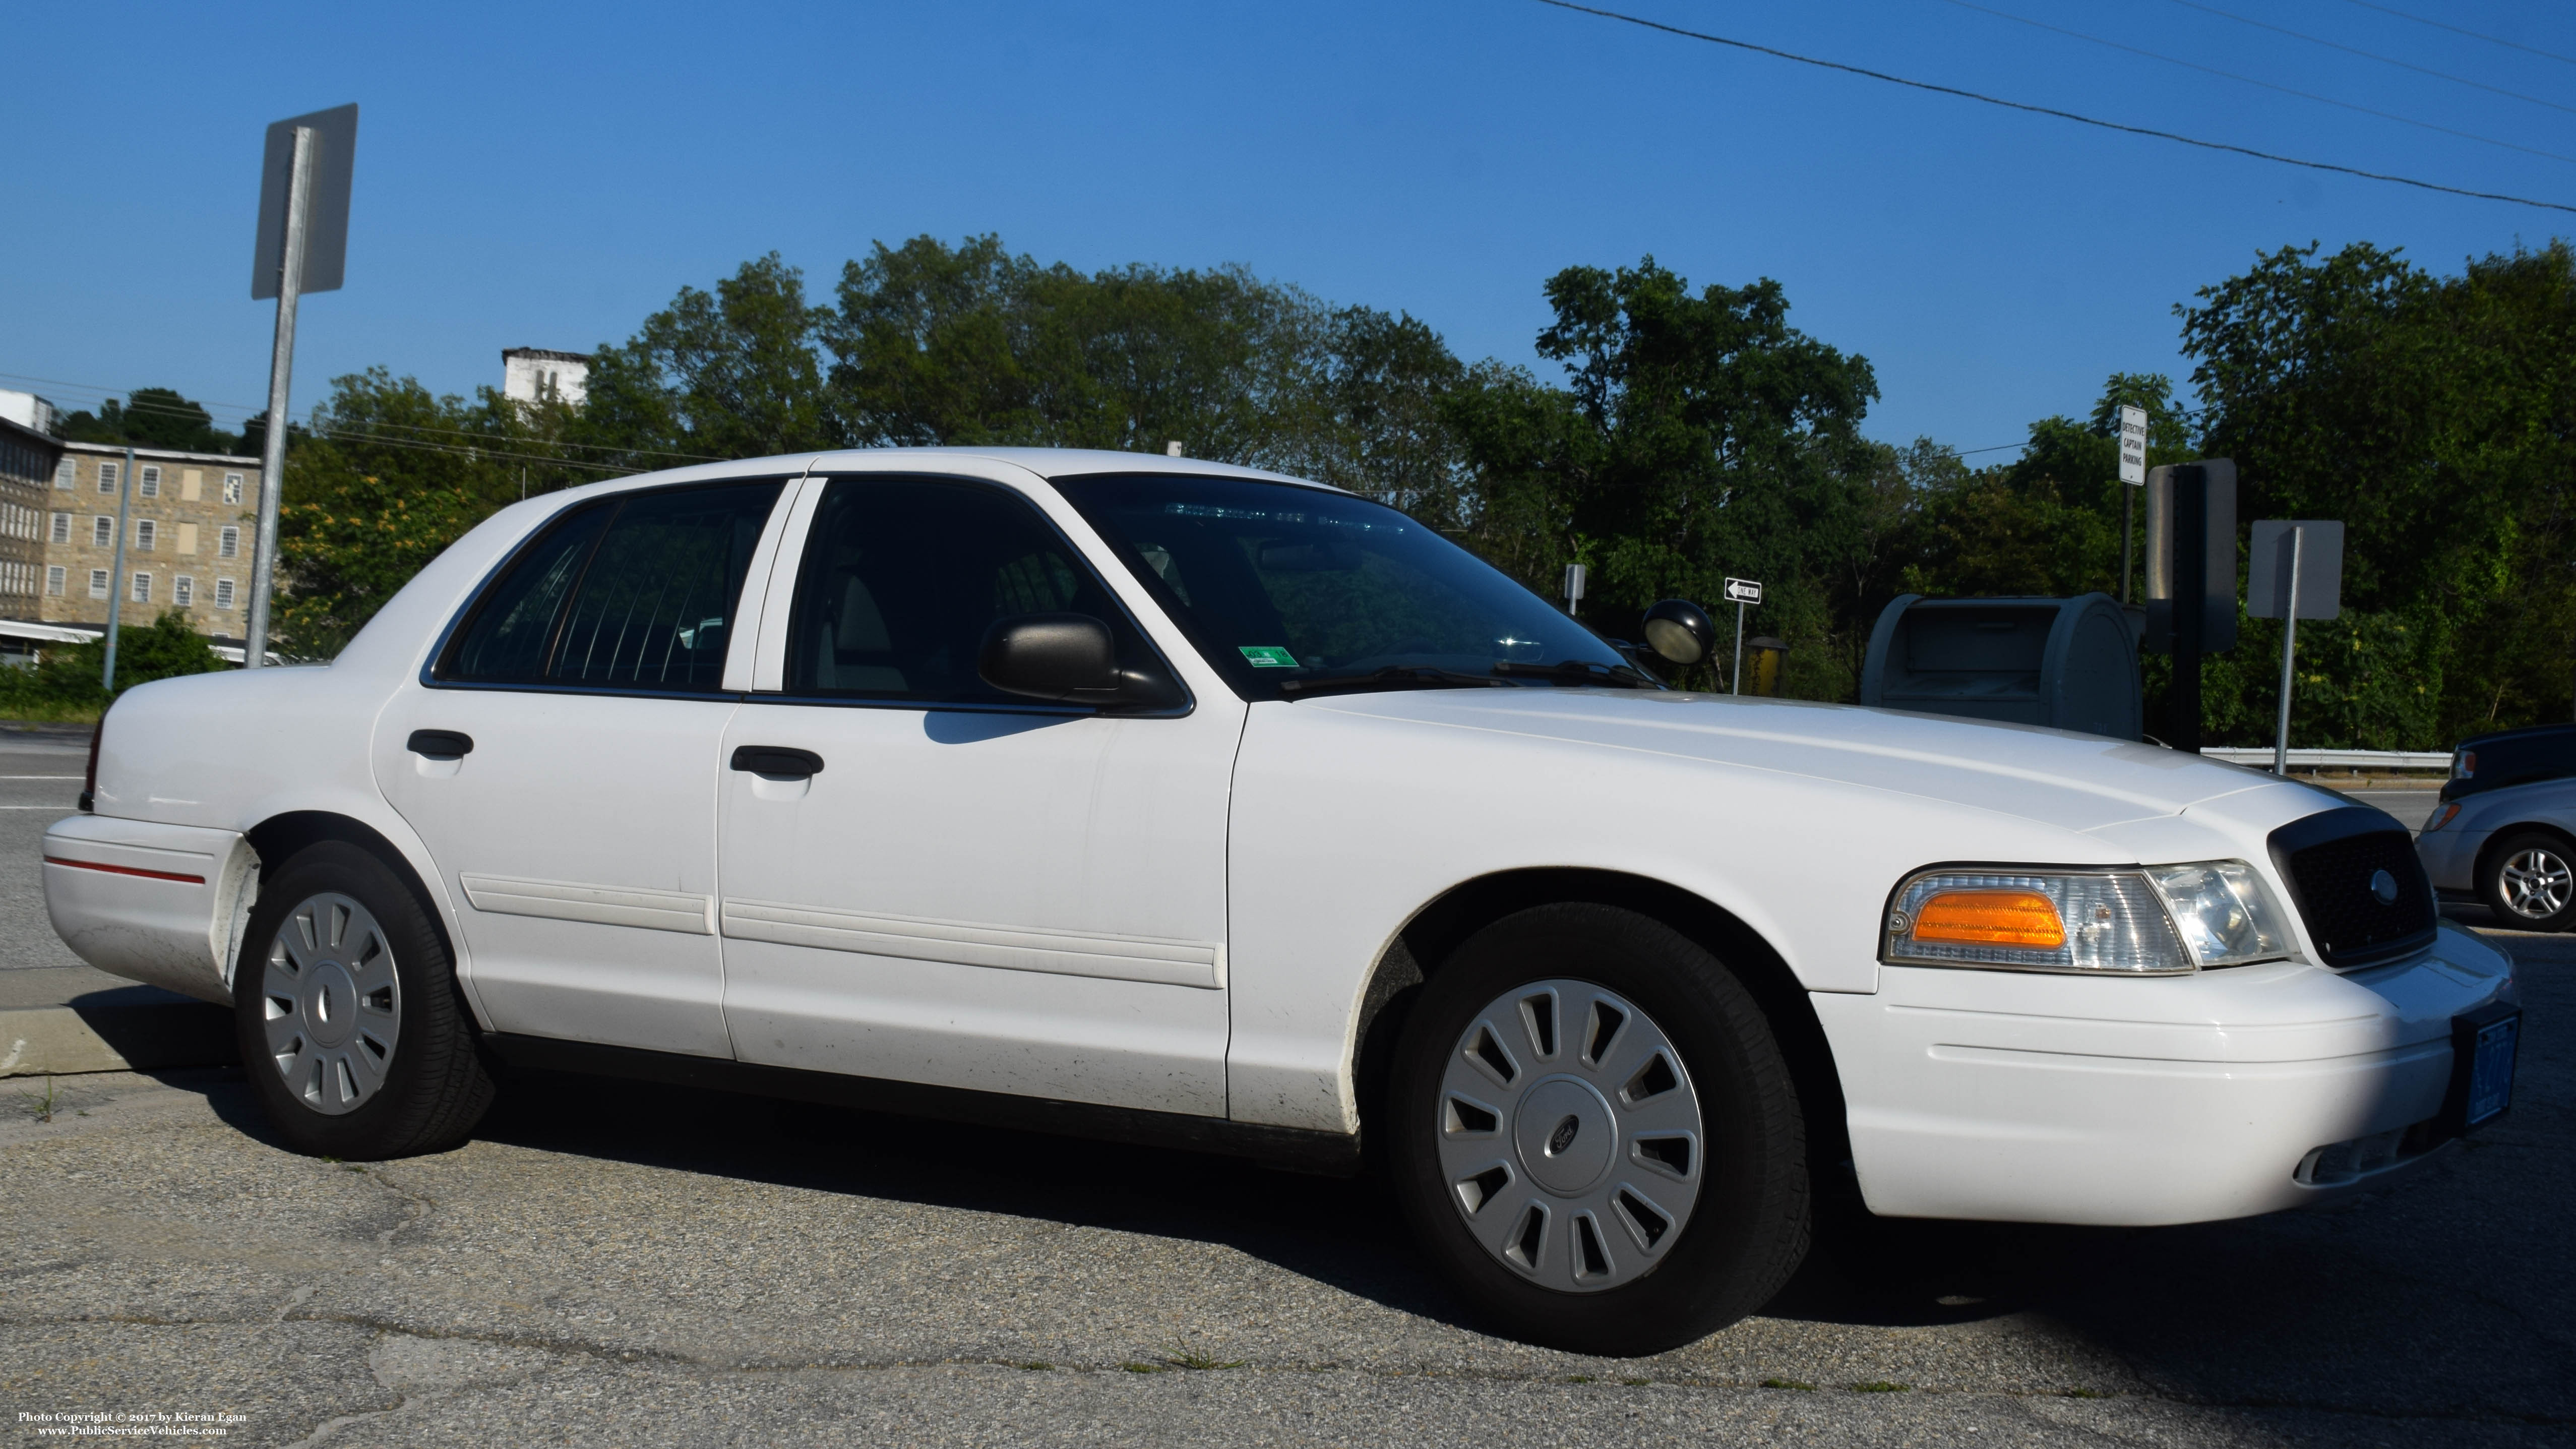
column 1595, row 1135
column 346, row 1007
column 2530, row 883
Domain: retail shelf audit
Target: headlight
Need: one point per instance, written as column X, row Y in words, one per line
column 2443, row 814
column 2156, row 921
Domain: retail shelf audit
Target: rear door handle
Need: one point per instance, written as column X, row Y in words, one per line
column 776, row 760
column 440, row 744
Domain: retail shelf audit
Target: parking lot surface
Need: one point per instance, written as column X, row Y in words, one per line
column 615, row 1264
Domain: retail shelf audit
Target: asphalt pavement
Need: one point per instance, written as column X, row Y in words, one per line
column 40, row 783
column 614, row 1264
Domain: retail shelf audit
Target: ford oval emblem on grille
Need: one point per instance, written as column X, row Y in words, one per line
column 2384, row 886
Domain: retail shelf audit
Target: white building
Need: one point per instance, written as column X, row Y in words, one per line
column 27, row 410
column 529, row 373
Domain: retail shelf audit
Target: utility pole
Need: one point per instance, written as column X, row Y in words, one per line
column 116, row 571
column 281, row 367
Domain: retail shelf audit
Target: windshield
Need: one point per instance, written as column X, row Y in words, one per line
column 1289, row 589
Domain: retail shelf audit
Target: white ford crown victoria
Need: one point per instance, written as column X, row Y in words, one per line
column 1145, row 798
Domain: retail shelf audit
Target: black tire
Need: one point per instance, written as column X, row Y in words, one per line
column 1749, row 1227
column 2522, row 872
column 432, row 1089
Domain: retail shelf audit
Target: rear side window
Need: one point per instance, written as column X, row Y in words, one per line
column 632, row 593
column 902, row 576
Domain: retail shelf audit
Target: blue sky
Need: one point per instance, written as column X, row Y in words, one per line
column 543, row 175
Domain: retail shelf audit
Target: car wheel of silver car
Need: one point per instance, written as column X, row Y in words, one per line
column 346, row 1008
column 1595, row 1134
column 2530, row 882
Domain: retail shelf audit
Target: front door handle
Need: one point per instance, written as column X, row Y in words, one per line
column 777, row 760
column 440, row 744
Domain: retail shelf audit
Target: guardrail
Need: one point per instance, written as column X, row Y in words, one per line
column 2342, row 759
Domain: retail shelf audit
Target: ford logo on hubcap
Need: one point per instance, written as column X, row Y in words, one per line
column 2384, row 886
column 1563, row 1137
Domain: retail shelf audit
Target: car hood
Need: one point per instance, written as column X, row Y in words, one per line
column 2054, row 777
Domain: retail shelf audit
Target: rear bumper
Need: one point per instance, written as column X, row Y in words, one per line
column 164, row 904
column 2068, row 1099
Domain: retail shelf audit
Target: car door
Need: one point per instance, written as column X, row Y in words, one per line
column 559, row 756
column 928, row 880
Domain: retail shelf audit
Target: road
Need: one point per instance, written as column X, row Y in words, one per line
column 611, row 1264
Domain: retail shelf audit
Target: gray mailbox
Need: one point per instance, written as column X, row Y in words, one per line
column 2070, row 664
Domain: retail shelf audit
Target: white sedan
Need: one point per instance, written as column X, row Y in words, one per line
column 1144, row 798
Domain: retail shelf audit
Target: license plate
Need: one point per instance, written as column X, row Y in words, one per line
column 2490, row 1049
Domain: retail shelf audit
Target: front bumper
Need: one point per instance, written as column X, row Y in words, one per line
column 2451, row 858
column 2080, row 1099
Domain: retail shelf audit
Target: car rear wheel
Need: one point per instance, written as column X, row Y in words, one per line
column 2530, row 883
column 346, row 1007
column 1594, row 1133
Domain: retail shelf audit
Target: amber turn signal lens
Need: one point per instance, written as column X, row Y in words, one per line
column 1990, row 918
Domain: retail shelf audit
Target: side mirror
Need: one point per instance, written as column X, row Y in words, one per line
column 1068, row 659
column 1680, row 631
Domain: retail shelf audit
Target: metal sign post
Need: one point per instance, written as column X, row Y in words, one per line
column 116, row 570
column 303, row 246
column 2133, row 472
column 2191, row 579
column 1744, row 594
column 2296, row 573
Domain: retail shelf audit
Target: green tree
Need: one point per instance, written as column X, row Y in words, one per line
column 1700, row 436
column 389, row 476
column 150, row 417
column 2432, row 415
column 725, row 374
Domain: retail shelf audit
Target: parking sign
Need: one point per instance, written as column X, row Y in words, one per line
column 2133, row 445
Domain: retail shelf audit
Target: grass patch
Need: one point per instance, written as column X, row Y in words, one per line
column 1797, row 1384
column 1037, row 1366
column 1146, row 1368
column 1578, row 1378
column 1195, row 1361
column 1880, row 1386
column 42, row 1107
column 1636, row 1383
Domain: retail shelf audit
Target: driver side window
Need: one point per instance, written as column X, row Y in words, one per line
column 902, row 576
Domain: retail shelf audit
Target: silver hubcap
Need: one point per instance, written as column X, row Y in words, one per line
column 330, row 1004
column 2537, row 884
column 1570, row 1136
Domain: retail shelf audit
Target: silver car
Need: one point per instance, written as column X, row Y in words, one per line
column 2505, row 832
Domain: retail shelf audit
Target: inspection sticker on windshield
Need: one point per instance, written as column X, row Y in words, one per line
column 1268, row 656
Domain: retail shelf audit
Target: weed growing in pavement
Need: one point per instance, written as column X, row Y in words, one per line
column 2081, row 1392
column 1880, row 1386
column 1146, row 1368
column 1037, row 1367
column 1789, row 1384
column 1636, row 1383
column 1190, row 1358
column 42, row 1107
column 1579, row 1378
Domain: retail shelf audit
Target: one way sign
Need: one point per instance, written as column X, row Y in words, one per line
column 1743, row 591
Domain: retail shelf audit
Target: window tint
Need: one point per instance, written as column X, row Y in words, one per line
column 633, row 593
column 902, row 576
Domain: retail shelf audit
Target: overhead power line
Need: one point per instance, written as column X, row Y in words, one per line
column 2053, row 111
column 2251, row 81
column 2471, row 34
column 2368, row 55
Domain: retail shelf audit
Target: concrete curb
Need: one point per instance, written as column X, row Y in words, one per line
column 134, row 1030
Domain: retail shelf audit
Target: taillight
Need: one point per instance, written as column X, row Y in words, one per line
column 89, row 781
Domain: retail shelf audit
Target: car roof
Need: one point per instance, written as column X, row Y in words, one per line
column 1047, row 463
column 2527, row 732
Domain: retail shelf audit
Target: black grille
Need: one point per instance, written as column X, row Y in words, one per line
column 2330, row 862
